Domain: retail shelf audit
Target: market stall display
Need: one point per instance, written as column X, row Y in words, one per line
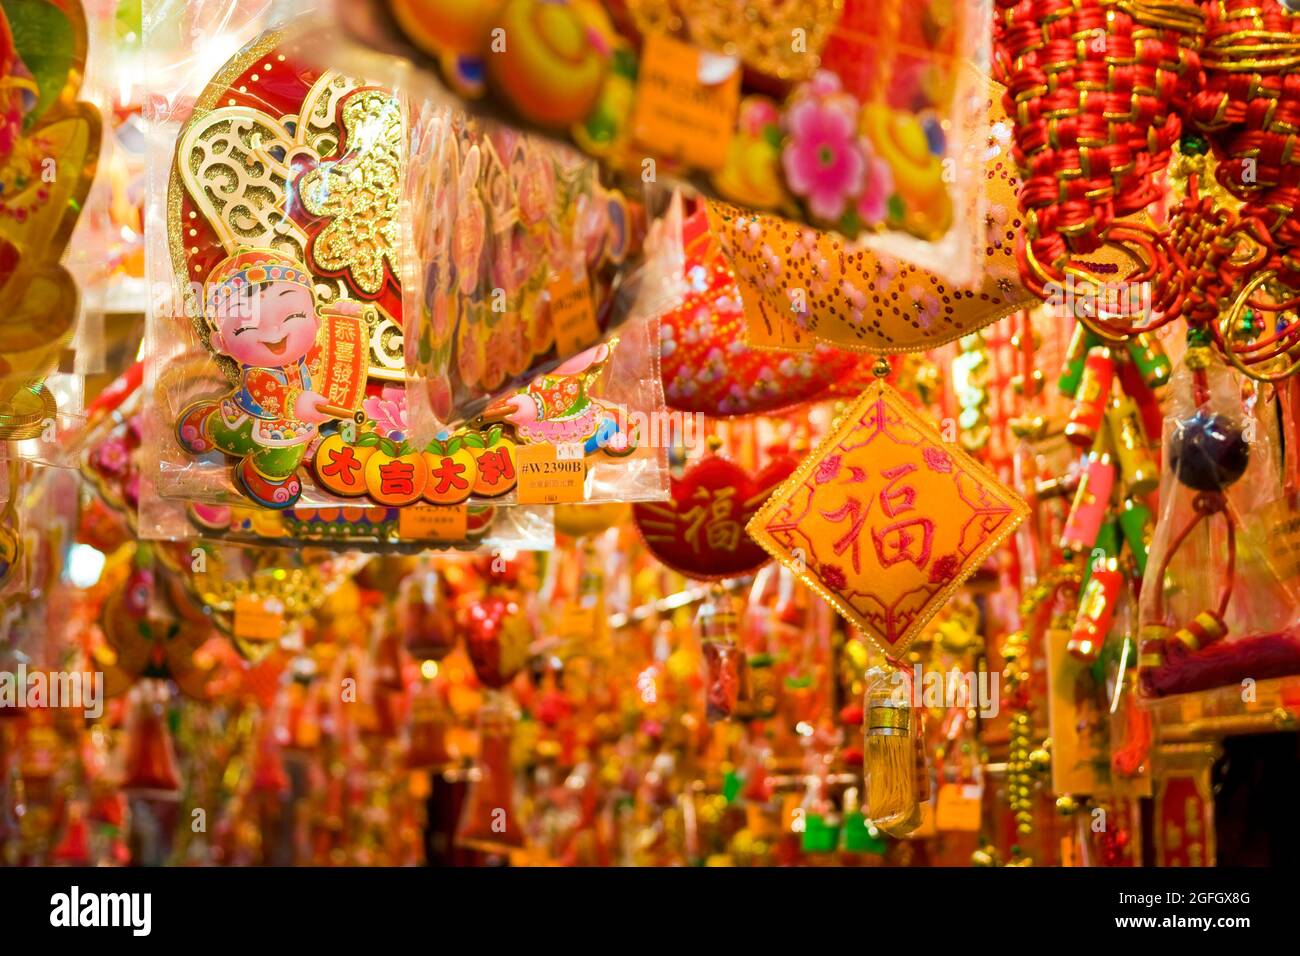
column 579, row 433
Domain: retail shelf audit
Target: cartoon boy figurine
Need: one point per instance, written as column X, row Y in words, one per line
column 261, row 312
column 556, row 407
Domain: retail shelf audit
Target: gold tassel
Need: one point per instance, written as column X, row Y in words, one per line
column 890, row 763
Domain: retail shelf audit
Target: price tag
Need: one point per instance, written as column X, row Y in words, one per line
column 573, row 315
column 686, row 103
column 958, row 808
column 766, row 328
column 546, row 479
column 257, row 619
column 433, row 522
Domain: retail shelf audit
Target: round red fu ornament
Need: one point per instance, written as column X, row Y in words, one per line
column 700, row 531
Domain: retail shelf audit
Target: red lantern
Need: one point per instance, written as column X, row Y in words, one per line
column 701, row 531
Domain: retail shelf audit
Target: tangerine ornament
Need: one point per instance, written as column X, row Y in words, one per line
column 494, row 462
column 340, row 467
column 396, row 479
column 885, row 520
column 452, row 472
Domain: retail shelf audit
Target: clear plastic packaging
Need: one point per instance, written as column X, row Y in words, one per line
column 602, row 407
column 276, row 309
column 520, row 259
column 276, row 358
column 1219, row 597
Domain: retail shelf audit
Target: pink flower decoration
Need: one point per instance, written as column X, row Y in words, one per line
column 925, row 304
column 873, row 204
column 806, row 244
column 113, row 457
column 995, row 221
column 823, row 161
column 388, row 412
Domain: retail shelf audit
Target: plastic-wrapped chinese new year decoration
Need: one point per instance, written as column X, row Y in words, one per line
column 592, row 405
column 700, row 531
column 849, row 128
column 885, row 520
column 865, row 299
column 1219, row 596
column 707, row 366
column 49, row 148
column 283, row 233
column 525, row 259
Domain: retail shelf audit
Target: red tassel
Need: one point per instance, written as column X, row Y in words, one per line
column 150, row 756
column 73, row 848
column 489, row 822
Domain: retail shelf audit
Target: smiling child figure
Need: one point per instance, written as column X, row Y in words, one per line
column 262, row 313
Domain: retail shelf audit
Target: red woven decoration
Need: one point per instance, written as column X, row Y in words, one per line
column 1094, row 87
column 1250, row 105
